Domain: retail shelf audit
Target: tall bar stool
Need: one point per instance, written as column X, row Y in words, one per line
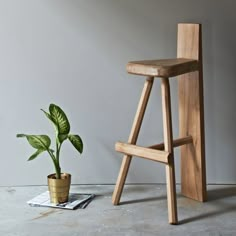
column 188, row 67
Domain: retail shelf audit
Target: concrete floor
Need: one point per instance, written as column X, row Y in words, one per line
column 143, row 212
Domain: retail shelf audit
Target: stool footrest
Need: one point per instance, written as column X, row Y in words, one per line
column 176, row 143
column 147, row 153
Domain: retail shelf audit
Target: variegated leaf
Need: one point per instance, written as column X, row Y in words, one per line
column 41, row 142
column 76, row 142
column 59, row 118
column 32, row 157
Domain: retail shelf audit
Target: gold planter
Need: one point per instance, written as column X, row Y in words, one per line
column 59, row 188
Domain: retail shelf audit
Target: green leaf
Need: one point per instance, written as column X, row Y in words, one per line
column 32, row 157
column 59, row 118
column 47, row 115
column 41, row 142
column 62, row 137
column 76, row 142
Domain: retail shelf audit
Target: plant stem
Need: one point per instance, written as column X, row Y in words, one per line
column 58, row 170
column 56, row 164
column 57, row 161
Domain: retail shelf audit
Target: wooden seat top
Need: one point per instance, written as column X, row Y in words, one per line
column 162, row 68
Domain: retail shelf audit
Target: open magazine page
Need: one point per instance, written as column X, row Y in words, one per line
column 76, row 200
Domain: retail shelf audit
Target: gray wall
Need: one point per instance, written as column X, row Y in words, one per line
column 73, row 53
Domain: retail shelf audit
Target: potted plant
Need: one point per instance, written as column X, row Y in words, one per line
column 58, row 183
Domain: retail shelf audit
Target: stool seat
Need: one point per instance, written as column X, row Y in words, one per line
column 162, row 68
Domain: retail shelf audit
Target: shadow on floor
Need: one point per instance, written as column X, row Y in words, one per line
column 151, row 199
column 221, row 193
column 215, row 197
column 136, row 190
column 224, row 209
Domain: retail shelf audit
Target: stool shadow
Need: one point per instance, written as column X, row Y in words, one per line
column 136, row 189
column 151, row 199
column 214, row 196
column 221, row 193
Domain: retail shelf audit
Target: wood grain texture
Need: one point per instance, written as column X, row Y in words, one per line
column 162, row 68
column 132, row 139
column 168, row 147
column 191, row 114
column 147, row 153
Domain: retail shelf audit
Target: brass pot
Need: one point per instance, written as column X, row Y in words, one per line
column 59, row 188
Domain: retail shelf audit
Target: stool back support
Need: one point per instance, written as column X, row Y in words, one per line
column 191, row 114
column 189, row 41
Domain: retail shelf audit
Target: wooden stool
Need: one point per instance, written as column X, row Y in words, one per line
column 188, row 68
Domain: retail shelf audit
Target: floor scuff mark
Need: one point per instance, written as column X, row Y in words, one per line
column 45, row 214
column 11, row 190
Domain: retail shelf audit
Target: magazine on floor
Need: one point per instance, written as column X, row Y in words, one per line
column 76, row 200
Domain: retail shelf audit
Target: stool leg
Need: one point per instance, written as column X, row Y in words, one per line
column 132, row 140
column 168, row 143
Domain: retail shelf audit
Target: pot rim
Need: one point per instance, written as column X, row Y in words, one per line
column 63, row 175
